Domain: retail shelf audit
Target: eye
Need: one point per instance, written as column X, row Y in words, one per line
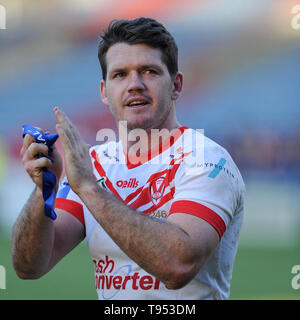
column 151, row 71
column 119, row 75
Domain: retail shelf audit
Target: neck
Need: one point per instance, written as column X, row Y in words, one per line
column 139, row 141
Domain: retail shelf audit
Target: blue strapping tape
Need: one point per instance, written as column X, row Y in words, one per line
column 49, row 178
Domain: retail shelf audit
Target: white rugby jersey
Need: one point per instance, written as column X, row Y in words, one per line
column 190, row 174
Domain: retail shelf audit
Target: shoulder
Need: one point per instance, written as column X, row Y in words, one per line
column 217, row 156
column 206, row 158
column 197, row 142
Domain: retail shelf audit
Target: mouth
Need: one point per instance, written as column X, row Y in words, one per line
column 137, row 102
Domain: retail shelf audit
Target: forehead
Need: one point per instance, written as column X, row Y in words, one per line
column 124, row 55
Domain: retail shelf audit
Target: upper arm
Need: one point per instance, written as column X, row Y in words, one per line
column 204, row 203
column 69, row 226
column 69, row 232
column 202, row 238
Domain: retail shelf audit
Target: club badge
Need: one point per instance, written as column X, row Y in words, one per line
column 157, row 189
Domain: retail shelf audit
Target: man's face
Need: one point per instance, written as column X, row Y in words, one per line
column 138, row 87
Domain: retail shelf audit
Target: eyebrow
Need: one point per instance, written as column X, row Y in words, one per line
column 151, row 66
column 141, row 68
column 117, row 70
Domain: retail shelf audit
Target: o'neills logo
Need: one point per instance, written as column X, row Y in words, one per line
column 132, row 183
column 108, row 277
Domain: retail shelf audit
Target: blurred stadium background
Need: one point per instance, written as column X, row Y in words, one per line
column 241, row 62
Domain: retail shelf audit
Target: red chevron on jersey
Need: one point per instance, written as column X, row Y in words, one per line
column 102, row 173
column 152, row 191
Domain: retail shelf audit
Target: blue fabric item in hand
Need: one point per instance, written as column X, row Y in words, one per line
column 49, row 178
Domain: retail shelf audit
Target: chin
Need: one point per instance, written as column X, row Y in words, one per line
column 140, row 124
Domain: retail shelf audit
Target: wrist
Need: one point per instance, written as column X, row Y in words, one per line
column 38, row 193
column 89, row 188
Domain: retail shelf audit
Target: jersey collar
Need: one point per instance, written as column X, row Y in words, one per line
column 135, row 161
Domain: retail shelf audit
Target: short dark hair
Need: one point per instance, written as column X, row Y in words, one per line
column 139, row 31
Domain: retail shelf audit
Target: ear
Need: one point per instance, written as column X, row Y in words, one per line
column 103, row 93
column 177, row 85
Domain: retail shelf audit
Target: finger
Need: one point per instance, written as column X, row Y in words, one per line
column 27, row 141
column 58, row 114
column 64, row 139
column 43, row 163
column 34, row 149
column 34, row 168
column 62, row 118
column 65, row 123
column 70, row 130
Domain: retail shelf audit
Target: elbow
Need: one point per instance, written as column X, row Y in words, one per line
column 178, row 283
column 26, row 271
column 26, row 275
column 174, row 285
column 181, row 277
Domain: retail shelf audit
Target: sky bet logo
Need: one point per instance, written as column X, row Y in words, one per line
column 2, row 17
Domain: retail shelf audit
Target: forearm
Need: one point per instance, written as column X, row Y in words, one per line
column 32, row 238
column 159, row 247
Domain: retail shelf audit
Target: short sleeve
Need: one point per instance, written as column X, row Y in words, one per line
column 210, row 190
column 67, row 200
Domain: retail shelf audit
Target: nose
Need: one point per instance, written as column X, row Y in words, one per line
column 135, row 82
